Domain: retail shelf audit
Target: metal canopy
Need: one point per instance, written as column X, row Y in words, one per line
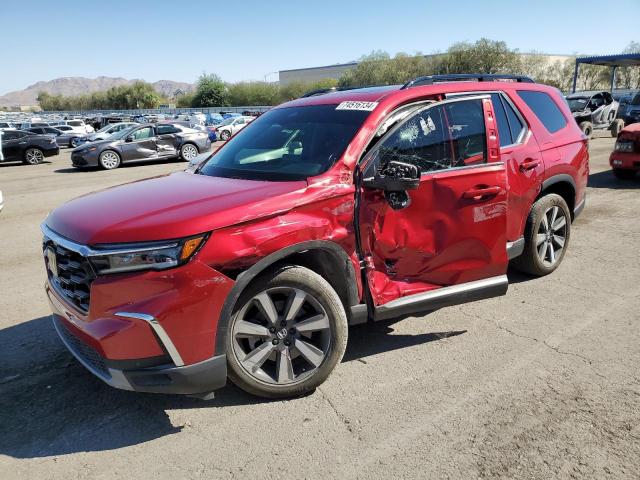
column 613, row 61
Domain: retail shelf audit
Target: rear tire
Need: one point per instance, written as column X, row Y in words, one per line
column 109, row 160
column 616, row 126
column 546, row 235
column 33, row 156
column 73, row 143
column 587, row 128
column 225, row 135
column 287, row 356
column 624, row 174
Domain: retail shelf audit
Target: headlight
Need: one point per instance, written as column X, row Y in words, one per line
column 622, row 146
column 147, row 256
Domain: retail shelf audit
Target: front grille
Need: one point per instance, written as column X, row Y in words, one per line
column 73, row 277
column 88, row 354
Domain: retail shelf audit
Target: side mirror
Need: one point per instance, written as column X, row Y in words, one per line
column 129, row 139
column 394, row 176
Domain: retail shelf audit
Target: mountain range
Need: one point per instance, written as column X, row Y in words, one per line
column 72, row 86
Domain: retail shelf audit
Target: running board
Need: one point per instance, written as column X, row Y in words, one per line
column 443, row 297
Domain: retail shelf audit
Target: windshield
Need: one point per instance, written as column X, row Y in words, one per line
column 636, row 100
column 227, row 121
column 577, row 104
column 106, row 128
column 287, row 144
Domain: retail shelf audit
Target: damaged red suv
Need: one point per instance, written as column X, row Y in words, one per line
column 334, row 209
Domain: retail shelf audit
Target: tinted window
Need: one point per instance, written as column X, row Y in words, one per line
column 545, row 109
column 167, row 129
column 142, row 133
column 515, row 122
column 287, row 144
column 9, row 135
column 501, row 117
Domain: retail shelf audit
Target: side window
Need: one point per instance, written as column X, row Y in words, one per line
column 515, row 123
column 9, row 135
column 167, row 129
column 422, row 140
column 545, row 109
column 467, row 130
column 501, row 117
column 142, row 133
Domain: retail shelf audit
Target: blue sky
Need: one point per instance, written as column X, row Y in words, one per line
column 246, row 39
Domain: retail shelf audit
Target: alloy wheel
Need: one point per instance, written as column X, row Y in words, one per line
column 34, row 156
column 281, row 336
column 189, row 152
column 109, row 160
column 551, row 235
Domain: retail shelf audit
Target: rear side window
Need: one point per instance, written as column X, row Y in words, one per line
column 545, row 109
column 501, row 117
column 167, row 129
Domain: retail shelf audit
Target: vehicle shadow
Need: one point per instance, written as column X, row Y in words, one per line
column 18, row 163
column 133, row 164
column 606, row 179
column 51, row 405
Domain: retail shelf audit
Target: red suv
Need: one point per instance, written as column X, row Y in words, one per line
column 329, row 210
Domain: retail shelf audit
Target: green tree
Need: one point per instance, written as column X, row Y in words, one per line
column 210, row 92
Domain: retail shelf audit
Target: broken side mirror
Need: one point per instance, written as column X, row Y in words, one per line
column 394, row 176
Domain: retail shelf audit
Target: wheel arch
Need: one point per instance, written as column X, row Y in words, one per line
column 324, row 257
column 564, row 185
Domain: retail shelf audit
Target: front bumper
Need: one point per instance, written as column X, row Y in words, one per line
column 202, row 377
column 625, row 160
column 84, row 160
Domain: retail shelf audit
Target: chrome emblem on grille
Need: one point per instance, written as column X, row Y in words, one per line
column 52, row 263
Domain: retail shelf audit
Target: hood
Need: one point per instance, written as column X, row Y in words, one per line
column 167, row 207
column 91, row 143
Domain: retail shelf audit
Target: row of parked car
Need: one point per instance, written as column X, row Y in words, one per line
column 115, row 143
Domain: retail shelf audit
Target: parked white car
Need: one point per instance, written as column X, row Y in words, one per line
column 198, row 118
column 77, row 126
column 231, row 126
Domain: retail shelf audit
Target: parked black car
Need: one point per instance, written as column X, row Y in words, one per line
column 144, row 142
column 63, row 139
column 630, row 107
column 27, row 147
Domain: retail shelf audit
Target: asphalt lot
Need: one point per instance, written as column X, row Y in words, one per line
column 542, row 383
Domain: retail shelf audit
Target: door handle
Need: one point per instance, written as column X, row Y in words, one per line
column 529, row 164
column 481, row 193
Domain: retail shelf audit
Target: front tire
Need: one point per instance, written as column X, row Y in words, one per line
column 286, row 335
column 587, row 128
column 546, row 235
column 33, row 156
column 188, row 152
column 109, row 160
column 616, row 126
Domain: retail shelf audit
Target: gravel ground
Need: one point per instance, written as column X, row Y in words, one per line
column 541, row 383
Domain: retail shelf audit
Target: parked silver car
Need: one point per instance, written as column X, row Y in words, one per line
column 106, row 131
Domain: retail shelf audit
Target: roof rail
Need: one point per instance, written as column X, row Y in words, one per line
column 322, row 91
column 468, row 77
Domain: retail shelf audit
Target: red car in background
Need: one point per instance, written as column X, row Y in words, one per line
column 625, row 158
column 333, row 209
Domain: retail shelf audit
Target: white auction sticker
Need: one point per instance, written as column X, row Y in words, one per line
column 352, row 105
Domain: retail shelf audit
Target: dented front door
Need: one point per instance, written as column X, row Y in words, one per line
column 454, row 229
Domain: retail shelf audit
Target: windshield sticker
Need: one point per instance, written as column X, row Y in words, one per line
column 352, row 105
